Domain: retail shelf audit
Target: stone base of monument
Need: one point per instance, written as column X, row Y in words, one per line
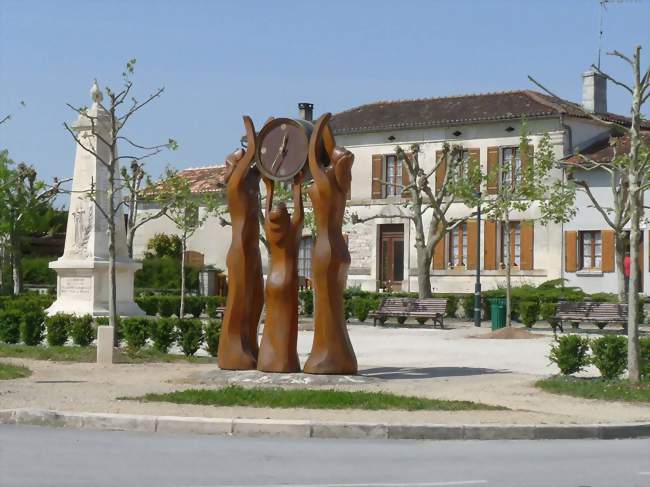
column 82, row 287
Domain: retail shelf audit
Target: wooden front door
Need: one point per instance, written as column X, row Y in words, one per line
column 391, row 258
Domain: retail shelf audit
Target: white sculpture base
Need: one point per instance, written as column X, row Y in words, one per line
column 82, row 287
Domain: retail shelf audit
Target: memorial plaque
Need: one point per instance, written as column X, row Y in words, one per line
column 76, row 286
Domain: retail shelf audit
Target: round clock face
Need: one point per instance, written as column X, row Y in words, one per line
column 282, row 148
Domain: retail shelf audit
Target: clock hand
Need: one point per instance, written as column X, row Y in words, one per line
column 282, row 151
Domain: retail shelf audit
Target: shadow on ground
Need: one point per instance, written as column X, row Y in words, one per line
column 410, row 373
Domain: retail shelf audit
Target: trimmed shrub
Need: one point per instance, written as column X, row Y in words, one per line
column 360, row 308
column 32, row 328
column 194, row 305
column 136, row 332
column 644, row 357
column 10, row 320
column 57, row 327
column 468, row 306
column 401, row 319
column 570, row 354
column 212, row 303
column 82, row 330
column 36, row 271
column 169, row 305
column 610, row 355
column 190, row 335
column 529, row 312
column 306, row 297
column 149, row 304
column 212, row 334
column 452, row 306
column 102, row 321
column 162, row 332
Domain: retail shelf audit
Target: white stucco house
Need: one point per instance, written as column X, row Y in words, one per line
column 488, row 126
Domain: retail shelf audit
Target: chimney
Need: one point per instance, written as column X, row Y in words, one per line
column 306, row 111
column 594, row 92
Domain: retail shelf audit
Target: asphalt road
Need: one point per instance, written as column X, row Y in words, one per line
column 35, row 456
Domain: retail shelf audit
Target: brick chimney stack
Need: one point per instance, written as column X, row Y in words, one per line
column 594, row 92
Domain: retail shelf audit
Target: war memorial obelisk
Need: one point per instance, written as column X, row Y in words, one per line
column 82, row 271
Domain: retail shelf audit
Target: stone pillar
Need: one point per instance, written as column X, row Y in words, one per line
column 82, row 271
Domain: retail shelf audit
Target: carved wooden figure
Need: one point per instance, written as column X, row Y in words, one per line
column 332, row 351
column 278, row 350
column 238, row 347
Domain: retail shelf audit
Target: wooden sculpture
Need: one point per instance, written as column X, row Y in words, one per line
column 332, row 351
column 238, row 347
column 278, row 350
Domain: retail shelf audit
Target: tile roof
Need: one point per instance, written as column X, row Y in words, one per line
column 603, row 151
column 427, row 112
column 205, row 179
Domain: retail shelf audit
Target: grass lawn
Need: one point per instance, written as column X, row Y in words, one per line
column 609, row 390
column 262, row 397
column 89, row 354
column 8, row 371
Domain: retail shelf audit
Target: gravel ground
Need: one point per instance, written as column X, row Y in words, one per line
column 445, row 364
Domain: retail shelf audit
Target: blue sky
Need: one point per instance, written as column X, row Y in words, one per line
column 219, row 60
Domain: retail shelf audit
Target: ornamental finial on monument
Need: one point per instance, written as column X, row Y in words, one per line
column 96, row 93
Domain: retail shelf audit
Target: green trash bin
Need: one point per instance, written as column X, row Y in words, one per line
column 498, row 313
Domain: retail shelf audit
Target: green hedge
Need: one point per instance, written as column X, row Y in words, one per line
column 167, row 306
column 165, row 273
column 36, row 271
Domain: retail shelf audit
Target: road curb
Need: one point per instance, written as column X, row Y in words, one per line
column 318, row 429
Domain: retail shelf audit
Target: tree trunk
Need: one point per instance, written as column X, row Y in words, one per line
column 424, row 272
column 183, row 247
column 506, row 247
column 130, row 233
column 16, row 265
column 633, row 294
column 620, row 267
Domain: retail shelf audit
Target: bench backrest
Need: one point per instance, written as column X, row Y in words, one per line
column 430, row 305
column 591, row 310
column 395, row 304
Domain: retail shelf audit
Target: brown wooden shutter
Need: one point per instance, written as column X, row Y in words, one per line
column 527, row 245
column 439, row 254
column 492, row 170
column 490, row 245
column 470, row 258
column 475, row 161
column 406, row 179
column 571, row 250
column 377, row 163
column 441, row 170
column 608, row 260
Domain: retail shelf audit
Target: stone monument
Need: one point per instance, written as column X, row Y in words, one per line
column 82, row 271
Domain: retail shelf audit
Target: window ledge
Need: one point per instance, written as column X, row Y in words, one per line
column 591, row 273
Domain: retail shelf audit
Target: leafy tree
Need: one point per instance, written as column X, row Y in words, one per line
column 635, row 171
column 163, row 245
column 108, row 129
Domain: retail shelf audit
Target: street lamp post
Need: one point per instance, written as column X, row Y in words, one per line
column 477, row 286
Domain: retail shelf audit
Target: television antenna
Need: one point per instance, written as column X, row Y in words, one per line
column 603, row 7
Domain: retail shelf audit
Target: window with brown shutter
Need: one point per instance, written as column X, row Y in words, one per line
column 590, row 250
column 493, row 170
column 471, row 244
column 441, row 169
column 439, row 254
column 490, row 245
column 527, row 245
column 475, row 160
column 377, row 163
column 571, row 251
column 609, row 246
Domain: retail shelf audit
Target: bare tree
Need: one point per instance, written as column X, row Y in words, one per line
column 106, row 128
column 458, row 182
column 636, row 165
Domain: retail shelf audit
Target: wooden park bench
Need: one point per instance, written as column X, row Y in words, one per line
column 403, row 308
column 600, row 314
column 219, row 312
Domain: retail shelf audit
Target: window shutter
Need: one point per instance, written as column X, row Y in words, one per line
column 470, row 258
column 439, row 254
column 490, row 245
column 608, row 261
column 475, row 161
column 441, row 170
column 492, row 170
column 527, row 245
column 377, row 163
column 571, row 250
column 406, row 180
